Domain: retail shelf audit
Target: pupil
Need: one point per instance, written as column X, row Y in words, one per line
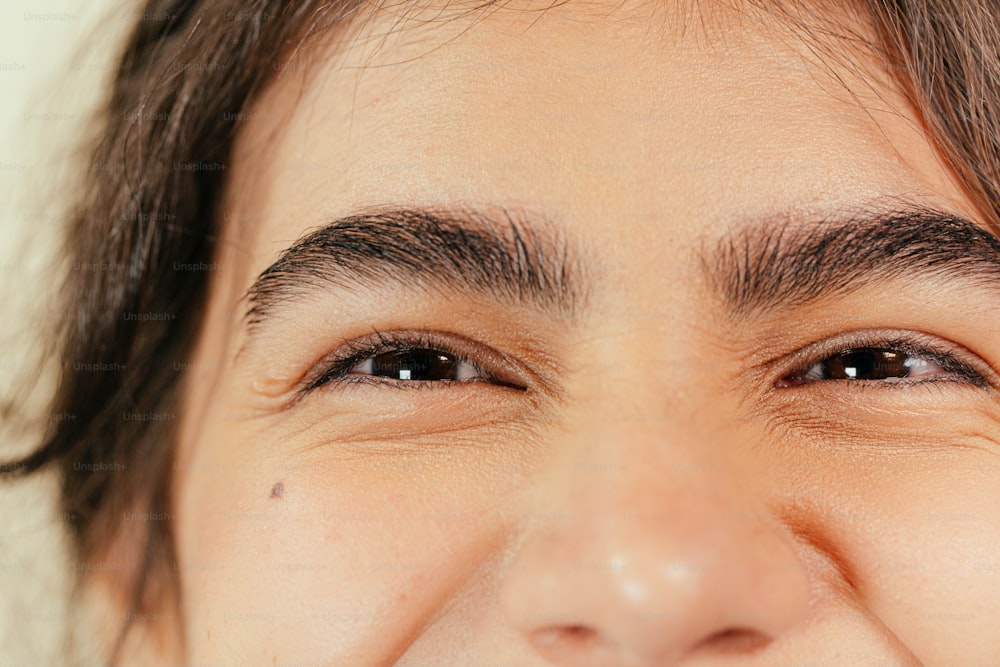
column 867, row 364
column 421, row 364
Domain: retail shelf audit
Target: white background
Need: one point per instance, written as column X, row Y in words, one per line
column 55, row 57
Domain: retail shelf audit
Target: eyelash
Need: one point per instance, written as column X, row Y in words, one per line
column 337, row 368
column 944, row 354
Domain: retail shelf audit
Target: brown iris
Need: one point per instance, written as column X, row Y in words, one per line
column 415, row 364
column 866, row 364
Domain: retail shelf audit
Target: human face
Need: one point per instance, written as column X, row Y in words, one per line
column 750, row 418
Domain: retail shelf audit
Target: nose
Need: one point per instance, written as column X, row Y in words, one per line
column 650, row 556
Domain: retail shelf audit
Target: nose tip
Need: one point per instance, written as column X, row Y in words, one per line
column 600, row 589
column 640, row 613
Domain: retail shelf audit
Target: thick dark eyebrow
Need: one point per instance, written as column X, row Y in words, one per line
column 788, row 262
column 501, row 254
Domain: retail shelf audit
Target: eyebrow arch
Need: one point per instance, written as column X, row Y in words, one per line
column 495, row 253
column 787, row 263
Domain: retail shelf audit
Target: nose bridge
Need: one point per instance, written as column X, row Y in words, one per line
column 648, row 437
column 647, row 543
column 645, row 427
column 645, row 368
column 650, row 493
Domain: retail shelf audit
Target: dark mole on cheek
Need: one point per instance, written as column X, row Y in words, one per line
column 277, row 490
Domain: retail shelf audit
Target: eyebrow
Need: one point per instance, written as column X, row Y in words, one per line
column 502, row 254
column 788, row 263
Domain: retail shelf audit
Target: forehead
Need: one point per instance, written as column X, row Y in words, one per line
column 607, row 113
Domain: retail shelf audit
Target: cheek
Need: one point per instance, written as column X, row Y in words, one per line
column 920, row 538
column 347, row 559
column 937, row 565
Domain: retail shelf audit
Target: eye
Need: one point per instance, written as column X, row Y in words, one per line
column 868, row 363
column 864, row 357
column 414, row 359
column 419, row 365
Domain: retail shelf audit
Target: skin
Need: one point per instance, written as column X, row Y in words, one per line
column 651, row 500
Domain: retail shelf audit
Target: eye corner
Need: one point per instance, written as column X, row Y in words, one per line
column 784, row 382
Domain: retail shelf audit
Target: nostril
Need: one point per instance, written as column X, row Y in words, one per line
column 580, row 632
column 574, row 644
column 734, row 640
column 577, row 636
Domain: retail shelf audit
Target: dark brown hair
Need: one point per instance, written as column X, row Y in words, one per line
column 189, row 70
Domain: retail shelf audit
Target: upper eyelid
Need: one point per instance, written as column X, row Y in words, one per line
column 818, row 350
